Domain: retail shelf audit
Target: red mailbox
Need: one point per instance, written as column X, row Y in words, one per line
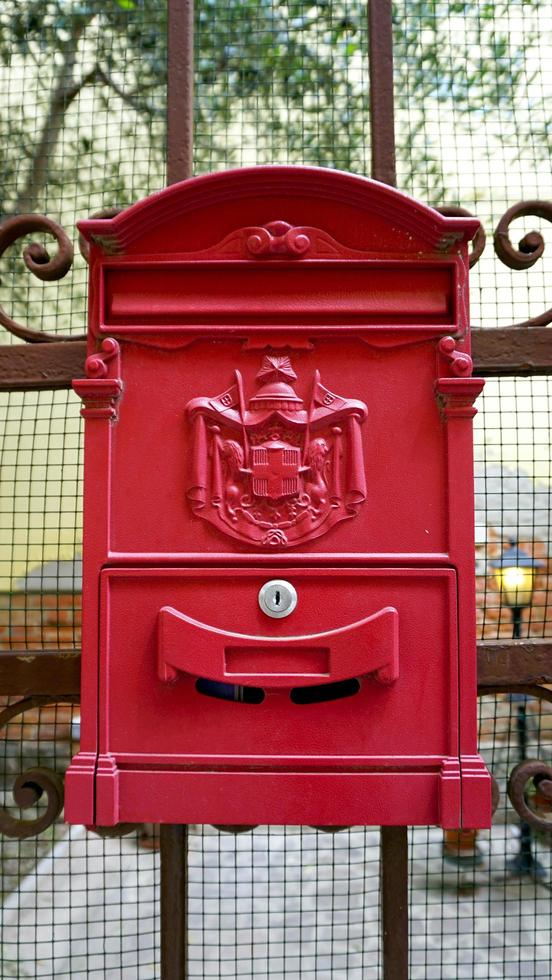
column 279, row 558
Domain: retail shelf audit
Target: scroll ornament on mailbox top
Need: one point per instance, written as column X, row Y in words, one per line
column 274, row 472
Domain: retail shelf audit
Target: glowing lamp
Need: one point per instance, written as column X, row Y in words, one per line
column 515, row 574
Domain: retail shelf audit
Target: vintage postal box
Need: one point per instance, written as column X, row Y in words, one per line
column 279, row 557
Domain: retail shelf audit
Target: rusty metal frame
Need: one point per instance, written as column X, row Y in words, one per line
column 394, row 901
column 180, row 90
column 382, row 107
column 57, row 672
column 503, row 352
column 46, row 362
column 174, row 901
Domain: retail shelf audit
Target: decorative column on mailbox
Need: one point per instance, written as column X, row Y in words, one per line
column 279, row 621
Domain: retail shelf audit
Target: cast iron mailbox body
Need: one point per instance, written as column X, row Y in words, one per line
column 278, row 390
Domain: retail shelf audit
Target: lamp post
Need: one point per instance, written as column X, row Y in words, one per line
column 514, row 574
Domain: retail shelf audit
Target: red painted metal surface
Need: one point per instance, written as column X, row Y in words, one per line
column 278, row 386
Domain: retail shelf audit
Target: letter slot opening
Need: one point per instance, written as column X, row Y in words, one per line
column 229, row 692
column 325, row 692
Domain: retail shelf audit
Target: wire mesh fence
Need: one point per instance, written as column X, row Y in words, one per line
column 276, row 902
column 513, row 497
column 472, row 914
column 74, row 904
column 83, row 128
column 473, row 82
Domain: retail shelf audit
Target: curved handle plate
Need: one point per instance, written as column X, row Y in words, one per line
column 367, row 647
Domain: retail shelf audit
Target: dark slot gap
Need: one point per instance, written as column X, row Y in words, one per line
column 230, row 692
column 325, row 692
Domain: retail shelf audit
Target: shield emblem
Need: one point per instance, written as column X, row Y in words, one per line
column 275, row 469
column 254, row 485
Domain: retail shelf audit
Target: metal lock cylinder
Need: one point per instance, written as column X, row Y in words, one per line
column 277, row 598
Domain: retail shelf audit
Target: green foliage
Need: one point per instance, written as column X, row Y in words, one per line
column 289, row 77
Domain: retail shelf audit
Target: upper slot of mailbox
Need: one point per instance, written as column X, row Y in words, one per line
column 239, row 293
column 279, row 246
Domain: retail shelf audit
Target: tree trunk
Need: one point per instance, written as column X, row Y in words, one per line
column 65, row 91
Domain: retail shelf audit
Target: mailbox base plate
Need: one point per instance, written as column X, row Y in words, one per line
column 456, row 794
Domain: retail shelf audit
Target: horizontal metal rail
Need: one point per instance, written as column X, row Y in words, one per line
column 57, row 672
column 510, row 351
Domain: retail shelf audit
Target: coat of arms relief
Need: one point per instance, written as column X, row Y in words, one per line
column 274, row 471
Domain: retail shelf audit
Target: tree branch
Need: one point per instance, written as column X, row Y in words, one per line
column 65, row 92
column 132, row 99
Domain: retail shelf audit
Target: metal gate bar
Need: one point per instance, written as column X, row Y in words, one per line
column 394, row 901
column 393, row 840
column 382, row 109
column 180, row 90
column 174, row 901
column 180, row 148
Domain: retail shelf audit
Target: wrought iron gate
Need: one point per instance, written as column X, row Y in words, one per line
column 339, row 931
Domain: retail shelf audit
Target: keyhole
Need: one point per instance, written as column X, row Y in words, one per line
column 277, row 598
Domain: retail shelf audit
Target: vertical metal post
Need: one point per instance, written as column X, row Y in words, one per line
column 382, row 103
column 394, row 840
column 174, row 901
column 394, row 901
column 524, row 862
column 180, row 90
column 180, row 145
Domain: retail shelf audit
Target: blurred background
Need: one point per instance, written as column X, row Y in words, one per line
column 83, row 105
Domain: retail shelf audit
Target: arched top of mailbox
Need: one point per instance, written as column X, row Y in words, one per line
column 356, row 212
